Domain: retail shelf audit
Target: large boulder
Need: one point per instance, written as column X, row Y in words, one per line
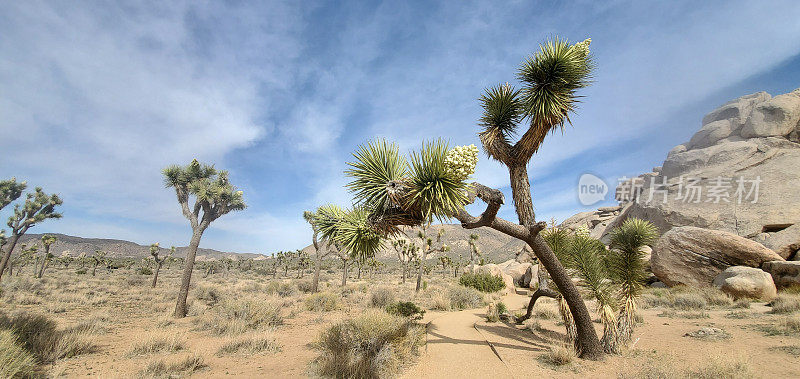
column 784, row 274
column 694, row 256
column 521, row 273
column 746, row 282
column 785, row 241
column 775, row 117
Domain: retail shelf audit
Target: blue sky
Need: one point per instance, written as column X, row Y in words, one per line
column 96, row 97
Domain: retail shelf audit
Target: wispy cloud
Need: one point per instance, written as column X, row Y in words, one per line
column 97, row 99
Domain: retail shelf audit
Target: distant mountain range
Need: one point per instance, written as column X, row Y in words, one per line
column 120, row 248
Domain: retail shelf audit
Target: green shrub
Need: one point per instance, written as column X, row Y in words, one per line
column 483, row 282
column 371, row 345
column 322, row 302
column 15, row 361
column 144, row 271
column 405, row 309
column 465, row 298
column 501, row 307
column 381, row 297
column 80, row 271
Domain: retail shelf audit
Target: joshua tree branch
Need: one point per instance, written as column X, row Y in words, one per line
column 494, row 199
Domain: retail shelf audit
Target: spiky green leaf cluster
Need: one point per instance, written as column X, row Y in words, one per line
column 10, row 190
column 378, row 172
column 38, row 207
column 214, row 192
column 435, row 191
column 348, row 230
column 625, row 259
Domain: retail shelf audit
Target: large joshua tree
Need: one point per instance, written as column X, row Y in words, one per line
column 214, row 196
column 38, row 207
column 434, row 184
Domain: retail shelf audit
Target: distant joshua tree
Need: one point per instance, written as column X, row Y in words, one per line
column 406, row 250
column 474, row 250
column 214, row 196
column 445, row 261
column 47, row 240
column 38, row 207
column 158, row 261
column 427, row 248
column 98, row 258
column 321, row 251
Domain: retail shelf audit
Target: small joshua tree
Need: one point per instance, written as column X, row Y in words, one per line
column 47, row 241
column 158, row 261
column 321, row 251
column 38, row 207
column 98, row 258
column 214, row 196
column 445, row 261
column 405, row 251
column 427, row 248
column 474, row 250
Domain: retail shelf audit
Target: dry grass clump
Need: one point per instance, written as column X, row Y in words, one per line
column 210, row 295
column 381, row 297
column 786, row 303
column 15, row 361
column 282, row 289
column 545, row 311
column 788, row 326
column 686, row 298
column 93, row 325
column 162, row 368
column 39, row 335
column 718, row 368
column 372, row 345
column 157, row 344
column 465, row 298
column 322, row 302
column 689, row 301
column 559, row 355
column 671, row 313
column 304, row 285
column 793, row 350
column 440, row 301
column 236, row 317
column 249, row 345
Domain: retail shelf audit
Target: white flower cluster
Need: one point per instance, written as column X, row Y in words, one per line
column 584, row 46
column 461, row 161
column 582, row 231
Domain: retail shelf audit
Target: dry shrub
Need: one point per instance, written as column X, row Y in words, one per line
column 786, row 303
column 718, row 368
column 39, row 335
column 715, row 297
column 249, row 345
column 788, row 326
column 381, row 297
column 688, row 301
column 372, row 345
column 157, row 344
column 236, row 317
column 440, row 300
column 15, row 361
column 210, row 295
column 305, row 285
column 545, row 311
column 161, row 368
column 322, row 302
column 465, row 298
column 559, row 355
column 280, row 288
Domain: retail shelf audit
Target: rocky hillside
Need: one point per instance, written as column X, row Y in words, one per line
column 120, row 248
column 495, row 246
column 738, row 174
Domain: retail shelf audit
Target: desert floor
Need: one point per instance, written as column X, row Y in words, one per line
column 125, row 315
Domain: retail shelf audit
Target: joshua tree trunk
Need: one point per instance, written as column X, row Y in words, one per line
column 587, row 343
column 419, row 272
column 9, row 247
column 191, row 252
column 155, row 274
column 41, row 268
column 317, row 269
column 344, row 272
column 405, row 270
column 94, row 268
column 528, row 230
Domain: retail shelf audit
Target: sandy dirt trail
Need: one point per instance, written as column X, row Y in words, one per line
column 456, row 348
